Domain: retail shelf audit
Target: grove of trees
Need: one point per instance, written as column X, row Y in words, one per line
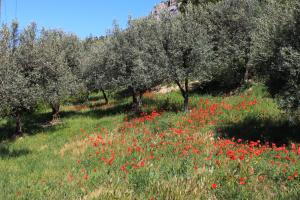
column 225, row 41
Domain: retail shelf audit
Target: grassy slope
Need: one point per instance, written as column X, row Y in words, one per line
column 38, row 166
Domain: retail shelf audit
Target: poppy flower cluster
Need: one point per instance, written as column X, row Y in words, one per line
column 134, row 145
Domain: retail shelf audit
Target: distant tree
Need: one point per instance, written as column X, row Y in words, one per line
column 187, row 48
column 57, row 80
column 95, row 64
column 73, row 50
column 137, row 58
column 232, row 23
column 276, row 51
column 19, row 92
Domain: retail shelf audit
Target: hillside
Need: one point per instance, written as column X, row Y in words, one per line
column 226, row 147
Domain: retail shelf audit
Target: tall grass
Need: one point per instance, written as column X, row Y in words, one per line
column 100, row 152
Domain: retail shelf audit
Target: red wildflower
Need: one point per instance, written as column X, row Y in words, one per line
column 242, row 181
column 296, row 174
column 123, row 168
column 142, row 163
column 86, row 176
column 70, row 177
column 214, row 186
column 111, row 160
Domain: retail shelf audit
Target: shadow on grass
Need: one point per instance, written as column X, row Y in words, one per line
column 85, row 100
column 35, row 123
column 5, row 152
column 251, row 129
column 163, row 105
column 214, row 88
column 98, row 113
column 32, row 124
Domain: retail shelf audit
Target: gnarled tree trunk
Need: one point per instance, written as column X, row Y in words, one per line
column 137, row 101
column 185, row 93
column 18, row 131
column 55, row 111
column 104, row 96
column 247, row 62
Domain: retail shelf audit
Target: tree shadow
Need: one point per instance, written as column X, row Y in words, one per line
column 252, row 129
column 5, row 152
column 214, row 88
column 94, row 112
column 33, row 123
column 86, row 100
column 162, row 105
column 122, row 94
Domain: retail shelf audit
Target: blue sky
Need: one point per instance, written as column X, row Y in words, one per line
column 83, row 17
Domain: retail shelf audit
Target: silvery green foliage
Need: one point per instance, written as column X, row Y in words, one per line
column 137, row 59
column 232, row 23
column 276, row 51
column 19, row 92
column 28, row 54
column 187, row 48
column 56, row 78
column 95, row 64
column 73, row 50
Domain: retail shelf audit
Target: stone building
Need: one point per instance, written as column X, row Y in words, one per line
column 169, row 5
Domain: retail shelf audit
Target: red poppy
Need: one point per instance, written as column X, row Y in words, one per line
column 242, row 181
column 214, row 186
column 86, row 176
column 296, row 174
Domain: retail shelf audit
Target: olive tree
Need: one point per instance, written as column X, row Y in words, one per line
column 95, row 63
column 137, row 58
column 187, row 48
column 55, row 74
column 276, row 51
column 232, row 23
column 19, row 91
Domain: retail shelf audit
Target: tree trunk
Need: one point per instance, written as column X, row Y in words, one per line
column 186, row 102
column 246, row 76
column 104, row 96
column 136, row 101
column 18, row 125
column 55, row 111
column 185, row 93
column 247, row 63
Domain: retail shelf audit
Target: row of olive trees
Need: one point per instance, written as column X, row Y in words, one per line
column 276, row 51
column 34, row 67
column 152, row 51
column 206, row 42
column 228, row 41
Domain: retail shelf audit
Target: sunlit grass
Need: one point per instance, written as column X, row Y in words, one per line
column 61, row 162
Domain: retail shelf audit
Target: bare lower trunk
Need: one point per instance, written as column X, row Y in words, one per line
column 18, row 131
column 186, row 102
column 104, row 96
column 247, row 63
column 246, row 75
column 137, row 101
column 55, row 111
column 185, row 93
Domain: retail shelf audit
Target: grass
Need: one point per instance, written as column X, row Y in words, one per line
column 100, row 152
